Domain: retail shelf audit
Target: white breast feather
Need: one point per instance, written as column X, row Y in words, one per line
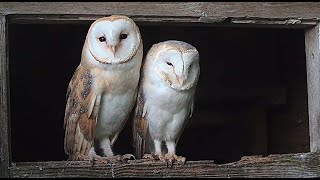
column 166, row 108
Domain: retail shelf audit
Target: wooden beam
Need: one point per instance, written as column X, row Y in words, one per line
column 276, row 10
column 185, row 9
column 309, row 10
column 313, row 76
column 270, row 13
column 4, row 71
column 162, row 20
column 283, row 166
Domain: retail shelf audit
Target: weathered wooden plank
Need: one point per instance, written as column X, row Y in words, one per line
column 73, row 19
column 4, row 147
column 285, row 166
column 284, row 13
column 60, row 169
column 44, row 18
column 173, row 21
column 275, row 23
column 277, row 10
column 313, row 75
column 185, row 9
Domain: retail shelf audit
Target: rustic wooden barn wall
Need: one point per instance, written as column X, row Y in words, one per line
column 304, row 15
column 4, row 110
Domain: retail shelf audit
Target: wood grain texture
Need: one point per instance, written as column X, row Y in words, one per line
column 4, row 146
column 283, row 166
column 284, row 13
column 186, row 9
column 277, row 10
column 312, row 41
column 274, row 13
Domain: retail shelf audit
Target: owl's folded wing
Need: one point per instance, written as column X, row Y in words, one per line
column 80, row 114
column 186, row 122
column 141, row 134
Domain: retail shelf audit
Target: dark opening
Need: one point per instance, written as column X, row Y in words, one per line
column 251, row 97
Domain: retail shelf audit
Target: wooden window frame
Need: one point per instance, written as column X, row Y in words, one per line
column 272, row 14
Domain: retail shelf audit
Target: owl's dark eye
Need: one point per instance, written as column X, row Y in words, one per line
column 123, row 36
column 101, row 39
column 170, row 64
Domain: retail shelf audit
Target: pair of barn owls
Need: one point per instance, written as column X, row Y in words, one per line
column 112, row 79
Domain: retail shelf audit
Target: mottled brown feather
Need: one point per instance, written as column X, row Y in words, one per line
column 141, row 134
column 80, row 119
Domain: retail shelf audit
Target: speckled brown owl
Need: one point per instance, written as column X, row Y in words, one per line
column 103, row 89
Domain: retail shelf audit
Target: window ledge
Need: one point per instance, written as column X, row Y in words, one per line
column 282, row 165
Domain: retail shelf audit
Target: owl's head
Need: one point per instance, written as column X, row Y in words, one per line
column 176, row 63
column 114, row 39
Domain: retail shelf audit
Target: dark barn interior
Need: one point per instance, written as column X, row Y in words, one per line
column 251, row 97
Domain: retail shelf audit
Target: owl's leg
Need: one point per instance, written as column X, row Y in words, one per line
column 171, row 156
column 91, row 157
column 108, row 153
column 94, row 157
column 107, row 157
column 157, row 151
column 81, row 157
column 106, row 147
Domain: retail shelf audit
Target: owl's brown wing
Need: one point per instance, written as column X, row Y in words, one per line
column 141, row 134
column 80, row 114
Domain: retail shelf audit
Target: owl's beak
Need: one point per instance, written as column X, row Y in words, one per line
column 180, row 79
column 113, row 49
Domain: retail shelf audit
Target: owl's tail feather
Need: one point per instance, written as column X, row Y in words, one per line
column 139, row 146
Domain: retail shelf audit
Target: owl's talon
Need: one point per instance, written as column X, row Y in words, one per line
column 161, row 158
column 104, row 160
column 90, row 158
column 127, row 157
column 169, row 158
column 152, row 157
column 148, row 157
column 82, row 157
column 180, row 159
column 116, row 158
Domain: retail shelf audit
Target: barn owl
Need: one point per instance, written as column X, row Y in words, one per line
column 165, row 99
column 103, row 89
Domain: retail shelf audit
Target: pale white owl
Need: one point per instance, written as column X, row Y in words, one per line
column 103, row 89
column 165, row 100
